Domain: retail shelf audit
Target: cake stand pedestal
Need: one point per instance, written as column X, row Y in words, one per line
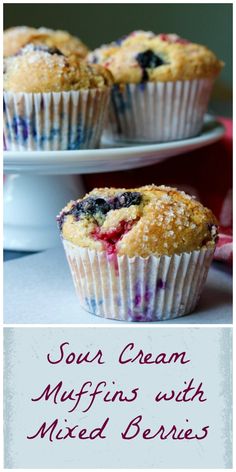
column 38, row 184
column 31, row 204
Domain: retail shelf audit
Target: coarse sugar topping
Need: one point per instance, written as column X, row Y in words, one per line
column 40, row 68
column 139, row 222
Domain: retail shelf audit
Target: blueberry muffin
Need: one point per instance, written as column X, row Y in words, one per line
column 139, row 254
column 162, row 86
column 17, row 37
column 53, row 101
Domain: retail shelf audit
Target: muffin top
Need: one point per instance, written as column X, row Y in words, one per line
column 101, row 55
column 38, row 68
column 17, row 37
column 164, row 57
column 138, row 222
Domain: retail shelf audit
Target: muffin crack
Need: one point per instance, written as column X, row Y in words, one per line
column 113, row 236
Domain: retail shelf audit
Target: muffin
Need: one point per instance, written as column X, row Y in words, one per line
column 17, row 37
column 162, row 86
column 141, row 254
column 53, row 101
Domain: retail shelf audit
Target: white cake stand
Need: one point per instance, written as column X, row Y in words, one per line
column 39, row 183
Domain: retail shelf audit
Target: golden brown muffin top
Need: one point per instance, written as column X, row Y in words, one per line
column 162, row 57
column 18, row 36
column 37, row 68
column 143, row 221
column 102, row 54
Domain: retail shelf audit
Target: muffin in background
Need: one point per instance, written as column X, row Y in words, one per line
column 162, row 86
column 53, row 101
column 101, row 55
column 140, row 254
column 17, row 37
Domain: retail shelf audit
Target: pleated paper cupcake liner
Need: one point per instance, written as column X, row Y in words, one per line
column 54, row 121
column 138, row 289
column 158, row 112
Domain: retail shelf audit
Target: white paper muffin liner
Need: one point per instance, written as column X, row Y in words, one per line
column 138, row 289
column 54, row 121
column 158, row 111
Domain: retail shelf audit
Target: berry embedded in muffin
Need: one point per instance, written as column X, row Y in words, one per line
column 19, row 36
column 40, row 68
column 148, row 60
column 146, row 221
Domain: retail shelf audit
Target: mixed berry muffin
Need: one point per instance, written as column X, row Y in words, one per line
column 17, row 37
column 53, row 101
column 139, row 254
column 162, row 86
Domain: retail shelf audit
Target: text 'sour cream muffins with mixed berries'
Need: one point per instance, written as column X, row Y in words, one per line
column 53, row 101
column 162, row 86
column 139, row 254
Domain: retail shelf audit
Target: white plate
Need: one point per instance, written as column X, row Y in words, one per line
column 105, row 159
column 42, row 182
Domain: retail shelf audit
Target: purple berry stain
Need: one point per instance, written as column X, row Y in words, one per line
column 160, row 285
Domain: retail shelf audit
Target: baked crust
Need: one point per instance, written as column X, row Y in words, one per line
column 178, row 59
column 17, row 37
column 166, row 221
column 41, row 69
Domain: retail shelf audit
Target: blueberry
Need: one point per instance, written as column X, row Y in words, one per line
column 91, row 206
column 85, row 206
column 97, row 207
column 126, row 199
column 42, row 47
column 54, row 51
column 60, row 220
column 102, row 205
column 148, row 60
column 119, row 41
